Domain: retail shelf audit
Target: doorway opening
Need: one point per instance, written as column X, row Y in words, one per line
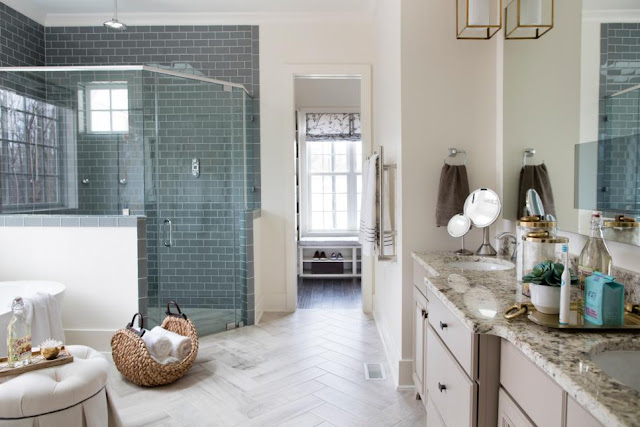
column 329, row 157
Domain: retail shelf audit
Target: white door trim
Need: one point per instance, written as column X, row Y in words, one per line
column 363, row 71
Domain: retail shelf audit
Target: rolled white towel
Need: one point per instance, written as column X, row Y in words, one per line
column 158, row 344
column 181, row 345
column 167, row 360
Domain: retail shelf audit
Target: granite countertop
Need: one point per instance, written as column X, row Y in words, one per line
column 479, row 299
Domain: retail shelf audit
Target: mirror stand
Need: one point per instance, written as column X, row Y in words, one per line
column 463, row 251
column 485, row 248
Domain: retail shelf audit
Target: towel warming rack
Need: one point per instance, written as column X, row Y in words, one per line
column 381, row 233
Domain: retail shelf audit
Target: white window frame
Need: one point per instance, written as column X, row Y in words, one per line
column 87, row 110
column 305, row 199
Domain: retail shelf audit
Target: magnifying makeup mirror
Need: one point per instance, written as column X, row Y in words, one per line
column 483, row 208
column 458, row 226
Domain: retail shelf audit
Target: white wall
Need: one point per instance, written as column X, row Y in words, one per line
column 431, row 92
column 327, row 93
column 281, row 47
column 99, row 267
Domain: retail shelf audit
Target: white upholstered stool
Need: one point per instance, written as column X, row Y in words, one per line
column 71, row 395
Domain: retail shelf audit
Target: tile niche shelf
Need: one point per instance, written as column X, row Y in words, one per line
column 348, row 267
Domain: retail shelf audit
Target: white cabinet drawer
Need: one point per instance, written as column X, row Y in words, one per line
column 448, row 386
column 577, row 416
column 509, row 413
column 536, row 393
column 433, row 417
column 458, row 338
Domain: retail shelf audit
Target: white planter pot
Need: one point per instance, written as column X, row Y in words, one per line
column 546, row 299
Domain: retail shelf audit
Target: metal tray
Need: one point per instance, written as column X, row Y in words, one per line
column 576, row 321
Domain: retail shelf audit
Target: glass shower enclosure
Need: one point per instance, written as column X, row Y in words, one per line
column 145, row 141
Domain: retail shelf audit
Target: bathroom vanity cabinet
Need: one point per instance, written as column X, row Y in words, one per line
column 455, row 370
column 476, row 379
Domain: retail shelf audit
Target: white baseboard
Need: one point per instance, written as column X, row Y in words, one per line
column 389, row 347
column 98, row 339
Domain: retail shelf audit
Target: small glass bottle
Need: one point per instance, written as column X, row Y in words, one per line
column 18, row 336
column 595, row 256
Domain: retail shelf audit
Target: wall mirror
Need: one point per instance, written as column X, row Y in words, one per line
column 573, row 98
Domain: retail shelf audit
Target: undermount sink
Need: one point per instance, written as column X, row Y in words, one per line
column 488, row 265
column 623, row 365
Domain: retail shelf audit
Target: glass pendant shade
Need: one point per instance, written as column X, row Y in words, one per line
column 478, row 19
column 528, row 19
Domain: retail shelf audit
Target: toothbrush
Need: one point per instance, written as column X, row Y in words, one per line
column 565, row 289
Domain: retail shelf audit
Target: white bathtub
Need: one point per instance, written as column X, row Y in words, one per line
column 24, row 289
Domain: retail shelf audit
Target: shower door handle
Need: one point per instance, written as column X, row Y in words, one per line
column 168, row 225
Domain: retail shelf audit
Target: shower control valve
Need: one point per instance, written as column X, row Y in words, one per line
column 195, row 167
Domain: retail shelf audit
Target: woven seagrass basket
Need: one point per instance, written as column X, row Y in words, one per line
column 133, row 360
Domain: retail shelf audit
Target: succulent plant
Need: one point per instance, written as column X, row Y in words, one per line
column 547, row 273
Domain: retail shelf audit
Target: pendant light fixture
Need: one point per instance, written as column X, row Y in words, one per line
column 528, row 19
column 478, row 19
column 113, row 23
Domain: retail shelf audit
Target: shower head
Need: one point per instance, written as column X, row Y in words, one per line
column 113, row 23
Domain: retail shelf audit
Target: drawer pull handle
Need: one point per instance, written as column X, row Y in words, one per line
column 424, row 313
column 441, row 387
column 443, row 325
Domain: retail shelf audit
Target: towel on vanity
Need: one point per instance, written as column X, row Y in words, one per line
column 536, row 177
column 452, row 192
column 367, row 236
column 43, row 312
column 157, row 343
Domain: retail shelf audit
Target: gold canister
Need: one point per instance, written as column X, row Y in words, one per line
column 537, row 247
column 526, row 225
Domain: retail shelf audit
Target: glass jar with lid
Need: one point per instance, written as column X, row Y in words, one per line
column 526, row 225
column 537, row 247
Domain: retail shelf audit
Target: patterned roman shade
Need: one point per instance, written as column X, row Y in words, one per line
column 331, row 126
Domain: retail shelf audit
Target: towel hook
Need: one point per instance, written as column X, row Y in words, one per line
column 453, row 152
column 528, row 152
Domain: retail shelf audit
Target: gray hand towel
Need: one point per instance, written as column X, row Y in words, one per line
column 536, row 177
column 453, row 191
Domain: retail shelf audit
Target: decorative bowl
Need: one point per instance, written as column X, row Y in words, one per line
column 546, row 299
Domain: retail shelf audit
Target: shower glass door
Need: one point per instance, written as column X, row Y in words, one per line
column 194, row 200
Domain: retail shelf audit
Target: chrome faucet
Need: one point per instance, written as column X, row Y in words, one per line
column 502, row 250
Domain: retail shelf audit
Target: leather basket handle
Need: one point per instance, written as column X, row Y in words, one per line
column 178, row 314
column 140, row 325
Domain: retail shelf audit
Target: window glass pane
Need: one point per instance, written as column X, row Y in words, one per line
column 341, row 184
column 50, row 161
column 100, row 121
column 316, row 221
column 99, row 99
column 341, row 202
column 120, row 121
column 35, row 193
column 340, row 163
column 328, row 221
column 316, row 202
column 119, row 99
column 328, row 184
column 49, row 128
column 316, row 184
column 34, row 131
column 327, row 202
column 326, row 163
column 340, row 147
column 17, row 158
column 17, row 189
column 51, row 190
column 315, row 165
column 16, row 126
column 341, row 220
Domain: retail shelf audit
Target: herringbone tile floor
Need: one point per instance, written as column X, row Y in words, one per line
column 300, row 369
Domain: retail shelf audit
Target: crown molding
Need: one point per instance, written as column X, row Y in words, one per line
column 133, row 19
column 611, row 16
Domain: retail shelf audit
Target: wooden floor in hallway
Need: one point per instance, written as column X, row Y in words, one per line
column 296, row 369
column 329, row 293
